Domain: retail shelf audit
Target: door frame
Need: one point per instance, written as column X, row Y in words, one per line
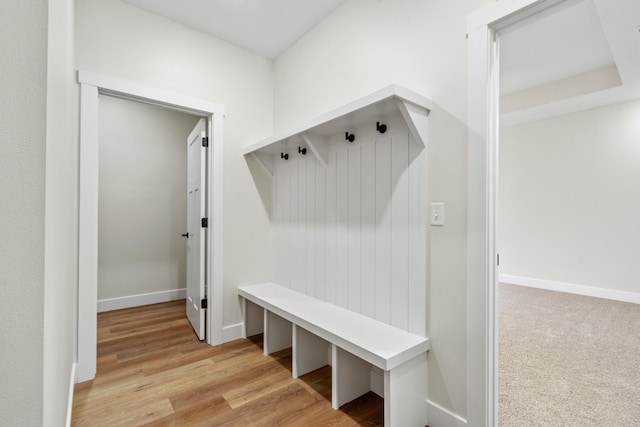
column 92, row 85
column 482, row 201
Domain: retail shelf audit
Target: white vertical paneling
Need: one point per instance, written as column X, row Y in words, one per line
column 294, row 238
column 383, row 231
column 310, row 243
column 418, row 260
column 320, row 230
column 331, row 221
column 354, row 233
column 277, row 224
column 342, row 227
column 354, row 192
column 283, row 193
column 400, row 232
column 301, row 236
column 368, row 230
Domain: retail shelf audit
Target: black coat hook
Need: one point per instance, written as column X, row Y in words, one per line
column 382, row 128
column 349, row 137
column 284, row 156
column 302, row 150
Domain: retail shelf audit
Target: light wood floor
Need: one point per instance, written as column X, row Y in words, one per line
column 153, row 371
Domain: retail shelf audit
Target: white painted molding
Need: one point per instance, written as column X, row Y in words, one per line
column 441, row 417
column 571, row 288
column 501, row 14
column 482, row 170
column 232, row 332
column 72, row 382
column 88, row 233
column 111, row 304
column 149, row 95
column 576, row 104
column 91, row 84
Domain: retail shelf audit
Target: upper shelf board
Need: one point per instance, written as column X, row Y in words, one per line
column 413, row 107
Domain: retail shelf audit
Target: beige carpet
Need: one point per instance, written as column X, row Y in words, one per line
column 567, row 360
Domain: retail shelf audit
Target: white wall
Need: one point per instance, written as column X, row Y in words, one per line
column 569, row 198
column 361, row 47
column 23, row 85
column 142, row 198
column 117, row 39
column 60, row 262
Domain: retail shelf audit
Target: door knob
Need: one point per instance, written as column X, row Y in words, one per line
column 185, row 235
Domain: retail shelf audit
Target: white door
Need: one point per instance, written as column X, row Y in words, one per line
column 196, row 228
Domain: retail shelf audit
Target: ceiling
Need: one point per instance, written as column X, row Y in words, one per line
column 552, row 47
column 574, row 37
column 264, row 27
column 564, row 59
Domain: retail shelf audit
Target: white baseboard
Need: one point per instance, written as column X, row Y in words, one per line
column 571, row 288
column 72, row 383
column 232, row 332
column 142, row 299
column 441, row 417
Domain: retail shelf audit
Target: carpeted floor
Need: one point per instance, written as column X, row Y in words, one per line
column 567, row 360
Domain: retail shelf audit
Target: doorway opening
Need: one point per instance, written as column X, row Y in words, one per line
column 91, row 86
column 144, row 251
column 558, row 248
column 484, row 28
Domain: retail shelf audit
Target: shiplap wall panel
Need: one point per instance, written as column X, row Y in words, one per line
column 302, row 229
column 400, row 232
column 321, row 254
column 280, row 220
column 342, row 228
column 368, row 230
column 331, row 230
column 418, row 260
column 354, row 191
column 383, row 231
column 310, row 263
column 355, row 233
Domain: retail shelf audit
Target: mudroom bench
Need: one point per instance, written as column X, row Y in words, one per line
column 355, row 346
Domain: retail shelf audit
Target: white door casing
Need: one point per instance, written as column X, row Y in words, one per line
column 197, row 233
column 91, row 85
column 482, row 195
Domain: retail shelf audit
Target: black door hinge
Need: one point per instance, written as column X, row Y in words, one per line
column 205, row 141
column 203, row 303
column 498, row 259
column 205, row 222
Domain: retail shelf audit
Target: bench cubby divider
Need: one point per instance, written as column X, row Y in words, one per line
column 253, row 319
column 277, row 333
column 350, row 377
column 310, row 352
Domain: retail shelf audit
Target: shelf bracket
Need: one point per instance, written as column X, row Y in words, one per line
column 318, row 145
column 417, row 121
column 264, row 160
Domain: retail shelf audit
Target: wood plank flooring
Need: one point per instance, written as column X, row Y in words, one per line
column 153, row 371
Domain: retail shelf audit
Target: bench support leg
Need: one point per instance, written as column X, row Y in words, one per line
column 310, row 352
column 253, row 319
column 277, row 333
column 350, row 377
column 405, row 393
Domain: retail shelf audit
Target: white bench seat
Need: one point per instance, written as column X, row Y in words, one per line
column 313, row 328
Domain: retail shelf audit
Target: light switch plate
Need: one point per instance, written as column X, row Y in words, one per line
column 437, row 213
